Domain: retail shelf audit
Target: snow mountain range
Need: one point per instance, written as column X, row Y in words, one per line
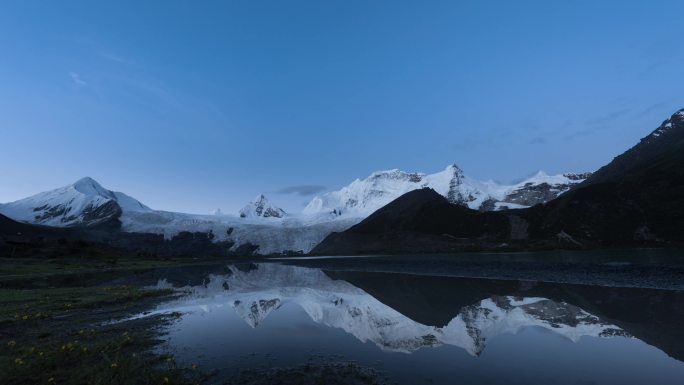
column 363, row 197
column 268, row 227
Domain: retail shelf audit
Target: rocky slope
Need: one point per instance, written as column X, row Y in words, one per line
column 540, row 188
column 636, row 199
column 83, row 203
column 261, row 207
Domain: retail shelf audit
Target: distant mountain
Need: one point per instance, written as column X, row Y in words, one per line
column 261, row 207
column 362, row 197
column 539, row 189
column 636, row 199
column 420, row 221
column 83, row 203
column 265, row 228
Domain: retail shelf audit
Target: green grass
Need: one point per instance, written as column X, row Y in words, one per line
column 12, row 268
column 22, row 305
column 62, row 335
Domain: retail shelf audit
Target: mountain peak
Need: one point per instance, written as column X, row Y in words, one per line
column 89, row 186
column 664, row 140
column 676, row 120
column 261, row 207
column 83, row 203
column 454, row 168
column 362, row 197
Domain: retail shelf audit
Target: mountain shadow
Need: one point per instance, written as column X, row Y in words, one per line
column 637, row 199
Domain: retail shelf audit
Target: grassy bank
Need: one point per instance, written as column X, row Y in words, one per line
column 62, row 335
column 56, row 327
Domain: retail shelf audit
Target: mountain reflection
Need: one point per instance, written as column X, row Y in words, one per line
column 398, row 313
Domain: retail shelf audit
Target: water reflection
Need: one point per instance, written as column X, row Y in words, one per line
column 255, row 293
column 290, row 312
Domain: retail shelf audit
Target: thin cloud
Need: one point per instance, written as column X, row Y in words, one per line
column 112, row 57
column 600, row 123
column 77, row 79
column 657, row 108
column 603, row 120
column 538, row 140
column 467, row 143
column 302, row 190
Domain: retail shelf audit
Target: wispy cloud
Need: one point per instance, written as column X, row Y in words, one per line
column 538, row 140
column 76, row 78
column 113, row 57
column 603, row 120
column 599, row 123
column 657, row 109
column 302, row 190
column 467, row 143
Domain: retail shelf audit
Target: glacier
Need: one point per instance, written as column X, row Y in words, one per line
column 268, row 227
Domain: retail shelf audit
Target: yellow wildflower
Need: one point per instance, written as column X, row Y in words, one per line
column 19, row 361
column 11, row 344
column 114, row 365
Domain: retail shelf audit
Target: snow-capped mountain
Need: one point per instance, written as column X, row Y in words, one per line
column 267, row 227
column 540, row 188
column 87, row 203
column 256, row 293
column 261, row 207
column 84, row 202
column 363, row 197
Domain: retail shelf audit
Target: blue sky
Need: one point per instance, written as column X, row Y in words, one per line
column 190, row 106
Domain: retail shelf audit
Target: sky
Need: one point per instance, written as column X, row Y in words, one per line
column 192, row 106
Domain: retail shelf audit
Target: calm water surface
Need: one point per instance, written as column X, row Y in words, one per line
column 422, row 329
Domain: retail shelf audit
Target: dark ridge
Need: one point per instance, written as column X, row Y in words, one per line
column 636, row 200
column 106, row 240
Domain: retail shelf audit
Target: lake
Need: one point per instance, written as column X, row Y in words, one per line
column 416, row 327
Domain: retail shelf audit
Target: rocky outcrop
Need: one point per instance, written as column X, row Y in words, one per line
column 539, row 191
column 261, row 207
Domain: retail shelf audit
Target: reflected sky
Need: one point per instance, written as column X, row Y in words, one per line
column 415, row 329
